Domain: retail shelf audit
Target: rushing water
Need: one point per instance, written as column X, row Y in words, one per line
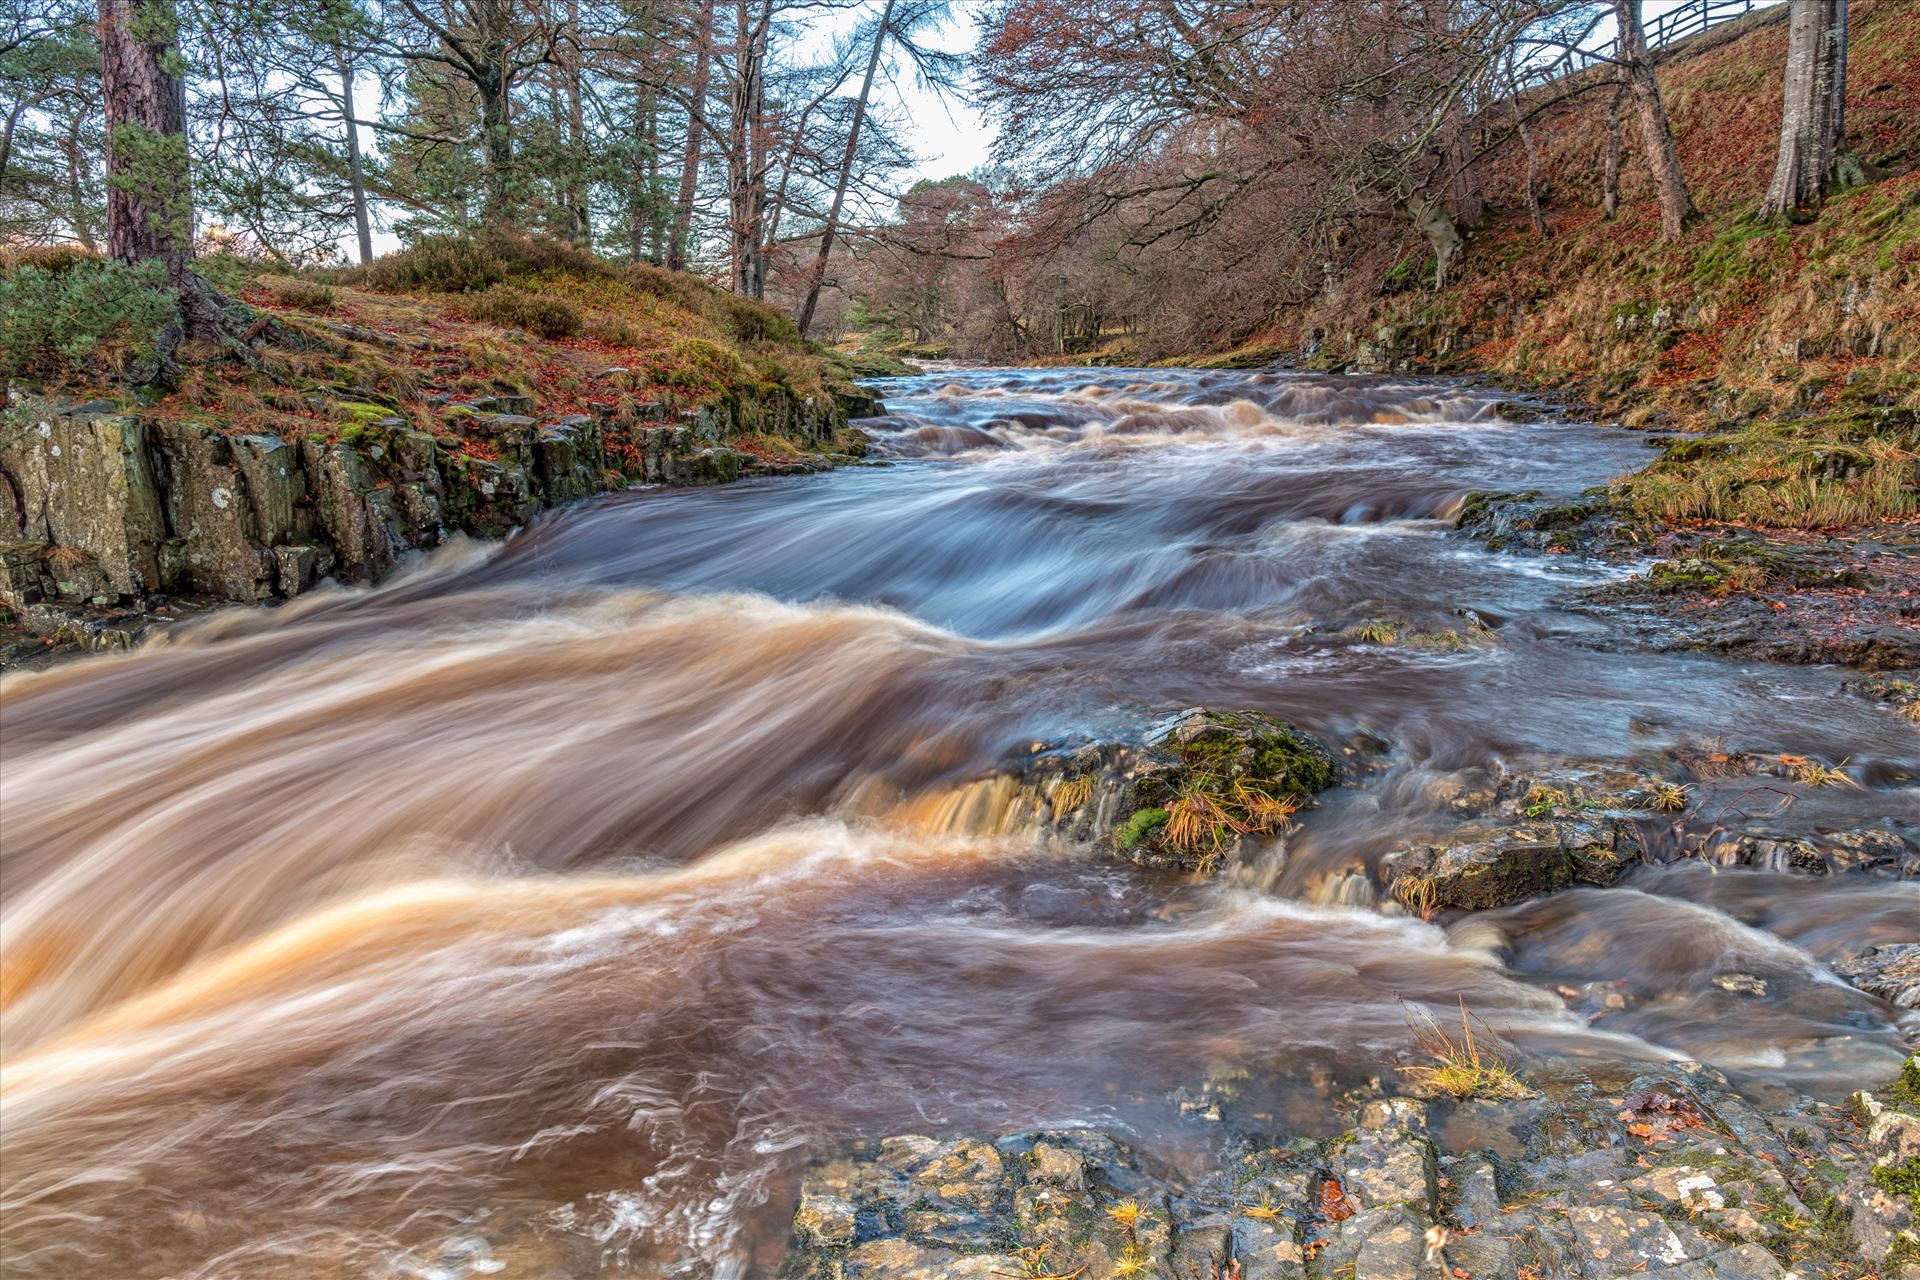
column 538, row 912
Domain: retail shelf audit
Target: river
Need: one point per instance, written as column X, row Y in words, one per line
column 539, row 911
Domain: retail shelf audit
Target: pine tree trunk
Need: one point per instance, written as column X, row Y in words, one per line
column 356, row 174
column 1812, row 121
column 690, row 156
column 640, row 213
column 579, row 216
column 496, row 132
column 149, row 187
column 149, row 192
column 1656, row 134
column 819, row 275
column 6, row 137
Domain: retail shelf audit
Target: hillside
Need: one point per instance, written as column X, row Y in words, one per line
column 1737, row 321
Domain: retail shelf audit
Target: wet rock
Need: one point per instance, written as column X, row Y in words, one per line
column 80, row 478
column 129, row 505
column 902, row 1260
column 705, row 466
column 1392, row 1243
column 1527, row 521
column 1890, row 971
column 1477, row 869
column 1742, row 984
column 1393, row 1113
column 824, row 1221
column 1672, row 1174
column 1615, row 1242
column 1875, row 850
column 210, row 512
column 1387, row 1167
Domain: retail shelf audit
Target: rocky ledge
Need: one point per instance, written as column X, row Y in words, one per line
column 1668, row 1174
column 109, row 515
column 1849, row 597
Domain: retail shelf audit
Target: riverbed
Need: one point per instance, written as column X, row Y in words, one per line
column 541, row 910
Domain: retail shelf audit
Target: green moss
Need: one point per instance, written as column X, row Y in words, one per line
column 1904, row 1092
column 1901, row 1179
column 1300, row 762
column 1142, row 823
column 360, row 412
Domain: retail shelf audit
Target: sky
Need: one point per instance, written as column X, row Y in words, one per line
column 947, row 134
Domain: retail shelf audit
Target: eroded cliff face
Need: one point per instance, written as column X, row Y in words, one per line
column 105, row 507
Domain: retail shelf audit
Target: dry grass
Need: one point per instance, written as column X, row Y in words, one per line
column 1809, row 475
column 1473, row 1064
column 1070, row 795
column 1670, row 797
column 1812, row 773
column 1201, row 819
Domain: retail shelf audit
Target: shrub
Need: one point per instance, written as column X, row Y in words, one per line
column 80, row 317
column 302, row 295
column 671, row 286
column 512, row 308
column 615, row 331
column 750, row 321
column 52, row 258
column 532, row 255
column 437, row 264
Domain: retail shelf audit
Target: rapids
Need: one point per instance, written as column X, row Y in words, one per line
column 540, row 910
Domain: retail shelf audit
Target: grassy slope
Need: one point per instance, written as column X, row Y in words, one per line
column 1737, row 320
column 644, row 338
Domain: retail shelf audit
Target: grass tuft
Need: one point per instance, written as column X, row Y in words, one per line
column 1473, row 1064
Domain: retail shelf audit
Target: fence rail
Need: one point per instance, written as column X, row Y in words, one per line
column 1689, row 19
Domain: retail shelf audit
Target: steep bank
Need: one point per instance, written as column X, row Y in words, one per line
column 451, row 389
column 1738, row 320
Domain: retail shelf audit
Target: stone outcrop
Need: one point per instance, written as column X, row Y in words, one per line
column 1674, row 1175
column 105, row 506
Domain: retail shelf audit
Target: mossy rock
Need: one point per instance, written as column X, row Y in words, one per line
column 1251, row 746
column 1206, row 779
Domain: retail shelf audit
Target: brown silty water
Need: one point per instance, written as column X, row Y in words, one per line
column 541, row 910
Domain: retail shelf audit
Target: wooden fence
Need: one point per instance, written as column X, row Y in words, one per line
column 1689, row 19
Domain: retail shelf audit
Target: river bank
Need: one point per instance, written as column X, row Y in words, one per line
column 459, row 387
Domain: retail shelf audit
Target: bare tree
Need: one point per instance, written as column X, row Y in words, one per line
column 1812, row 125
column 819, row 272
column 694, row 145
column 1656, row 135
column 1610, row 159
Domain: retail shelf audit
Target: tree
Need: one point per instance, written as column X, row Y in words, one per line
column 149, row 187
column 819, row 273
column 1812, row 123
column 1656, row 134
column 51, row 140
column 481, row 48
column 694, row 144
